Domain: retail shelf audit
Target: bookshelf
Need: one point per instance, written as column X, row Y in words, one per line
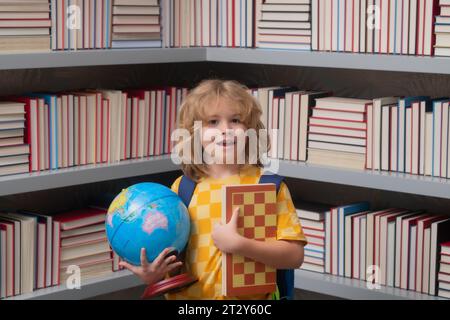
column 352, row 289
column 382, row 180
column 320, row 283
column 86, row 58
column 45, row 180
column 357, row 61
column 115, row 281
column 389, row 181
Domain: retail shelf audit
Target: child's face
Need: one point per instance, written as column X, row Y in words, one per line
column 222, row 127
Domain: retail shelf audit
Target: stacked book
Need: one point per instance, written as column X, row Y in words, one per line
column 374, row 26
column 136, row 24
column 285, row 114
column 38, row 250
column 442, row 30
column 78, row 24
column 205, row 23
column 284, row 24
column 409, row 134
column 25, row 25
column 444, row 271
column 392, row 247
column 79, row 239
column 312, row 219
column 14, row 148
column 337, row 132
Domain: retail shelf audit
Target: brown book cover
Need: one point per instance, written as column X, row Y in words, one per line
column 257, row 220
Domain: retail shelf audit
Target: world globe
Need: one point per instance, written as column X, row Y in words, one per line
column 146, row 215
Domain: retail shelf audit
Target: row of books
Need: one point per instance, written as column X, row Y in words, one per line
column 397, row 134
column 205, row 23
column 413, row 27
column 374, row 26
column 80, row 24
column 442, row 30
column 315, row 126
column 393, row 247
column 38, row 250
column 287, row 110
column 409, row 135
column 25, row 25
column 86, row 127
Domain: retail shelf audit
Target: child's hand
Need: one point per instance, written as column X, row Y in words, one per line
column 151, row 273
column 226, row 237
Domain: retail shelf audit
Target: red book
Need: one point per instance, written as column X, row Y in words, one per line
column 445, row 248
column 69, row 221
column 257, row 220
column 79, row 218
column 9, row 255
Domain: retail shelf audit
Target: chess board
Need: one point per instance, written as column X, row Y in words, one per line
column 257, row 220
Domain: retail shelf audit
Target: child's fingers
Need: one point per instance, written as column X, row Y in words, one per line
column 174, row 266
column 169, row 260
column 128, row 266
column 144, row 262
column 158, row 261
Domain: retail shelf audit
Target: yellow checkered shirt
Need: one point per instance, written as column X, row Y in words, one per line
column 203, row 260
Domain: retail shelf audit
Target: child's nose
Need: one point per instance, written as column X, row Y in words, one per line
column 224, row 126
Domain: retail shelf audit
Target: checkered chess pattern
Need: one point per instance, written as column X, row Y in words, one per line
column 258, row 220
column 203, row 259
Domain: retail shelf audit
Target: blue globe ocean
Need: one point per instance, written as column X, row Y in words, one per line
column 146, row 215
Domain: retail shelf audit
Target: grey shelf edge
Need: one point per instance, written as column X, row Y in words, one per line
column 306, row 280
column 45, row 180
column 58, row 59
column 360, row 61
column 351, row 288
column 389, row 181
column 119, row 280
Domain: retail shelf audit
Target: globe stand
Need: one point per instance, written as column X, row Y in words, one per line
column 174, row 283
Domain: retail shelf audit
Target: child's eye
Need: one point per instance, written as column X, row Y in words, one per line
column 236, row 120
column 212, row 122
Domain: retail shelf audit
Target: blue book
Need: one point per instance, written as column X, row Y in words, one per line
column 51, row 101
column 342, row 213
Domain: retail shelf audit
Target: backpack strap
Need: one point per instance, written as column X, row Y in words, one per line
column 269, row 177
column 285, row 277
column 186, row 190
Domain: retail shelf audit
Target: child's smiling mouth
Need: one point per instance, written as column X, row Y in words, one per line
column 226, row 143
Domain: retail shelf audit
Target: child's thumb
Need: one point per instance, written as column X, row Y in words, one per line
column 235, row 216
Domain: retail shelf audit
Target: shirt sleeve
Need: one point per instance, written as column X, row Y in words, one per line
column 288, row 223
